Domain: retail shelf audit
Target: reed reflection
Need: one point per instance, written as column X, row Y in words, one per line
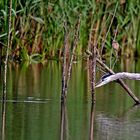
column 3, row 121
column 4, row 96
column 92, row 115
column 63, row 122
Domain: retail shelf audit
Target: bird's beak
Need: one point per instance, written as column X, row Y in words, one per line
column 99, row 84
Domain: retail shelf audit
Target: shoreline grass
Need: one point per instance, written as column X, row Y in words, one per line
column 37, row 27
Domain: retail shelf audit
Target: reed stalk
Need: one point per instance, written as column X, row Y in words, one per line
column 75, row 43
column 7, row 49
column 63, row 94
column 5, row 71
column 93, row 78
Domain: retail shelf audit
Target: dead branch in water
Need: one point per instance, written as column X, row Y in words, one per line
column 121, row 82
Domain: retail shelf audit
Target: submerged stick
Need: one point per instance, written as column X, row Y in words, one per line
column 130, row 93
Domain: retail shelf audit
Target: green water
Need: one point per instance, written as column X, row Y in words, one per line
column 37, row 114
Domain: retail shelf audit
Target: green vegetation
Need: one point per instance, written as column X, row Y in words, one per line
column 38, row 34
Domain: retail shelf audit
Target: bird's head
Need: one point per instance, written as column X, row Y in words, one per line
column 104, row 79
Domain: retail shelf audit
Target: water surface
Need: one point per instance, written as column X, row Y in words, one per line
column 34, row 111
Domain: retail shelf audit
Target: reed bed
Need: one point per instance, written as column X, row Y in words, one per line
column 37, row 27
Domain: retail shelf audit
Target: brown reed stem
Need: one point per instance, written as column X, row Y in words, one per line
column 76, row 38
column 5, row 71
column 64, row 63
column 7, row 49
column 92, row 46
column 93, row 80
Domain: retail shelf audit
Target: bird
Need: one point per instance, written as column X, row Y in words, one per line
column 103, row 79
column 105, row 76
column 88, row 52
column 116, row 47
column 115, row 77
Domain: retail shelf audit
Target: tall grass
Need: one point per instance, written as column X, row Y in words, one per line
column 37, row 31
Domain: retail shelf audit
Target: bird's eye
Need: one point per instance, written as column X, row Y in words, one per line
column 103, row 79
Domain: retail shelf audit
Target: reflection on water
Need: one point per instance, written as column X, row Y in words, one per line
column 91, row 136
column 34, row 111
column 121, row 129
column 3, row 120
column 64, row 122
